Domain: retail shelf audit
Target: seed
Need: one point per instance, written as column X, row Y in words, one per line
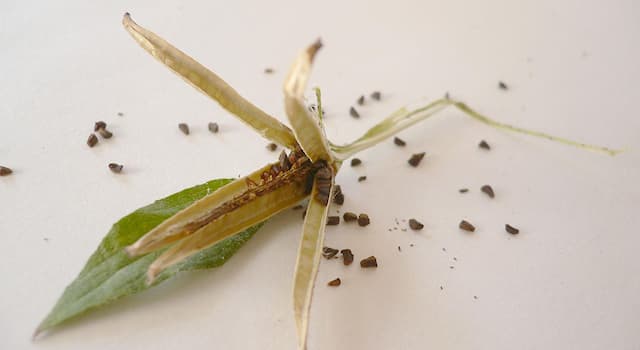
column 465, row 225
column 363, row 220
column 99, row 125
column 4, row 171
column 272, row 147
column 415, row 159
column 92, row 140
column 115, row 167
column 356, row 162
column 502, row 85
column 349, row 216
column 284, row 161
column 463, row 190
column 105, row 133
column 347, row 256
column 329, row 252
column 268, row 70
column 362, row 178
column 338, row 198
column 333, row 220
column 415, row 224
column 214, row 128
column 369, row 262
column 361, row 100
column 398, row 141
column 336, row 282
column 354, row 113
column 488, row 190
column 512, row 230
column 376, row 95
column 184, row 128
column 484, row 144
column 120, row 114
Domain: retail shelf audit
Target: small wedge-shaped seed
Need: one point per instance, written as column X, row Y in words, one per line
column 306, row 126
column 210, row 84
column 308, row 260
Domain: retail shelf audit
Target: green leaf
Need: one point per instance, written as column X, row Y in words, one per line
column 111, row 274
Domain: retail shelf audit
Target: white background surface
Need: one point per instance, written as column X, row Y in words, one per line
column 569, row 280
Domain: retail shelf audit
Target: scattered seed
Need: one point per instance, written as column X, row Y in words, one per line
column 376, row 95
column 214, row 128
column 465, row 225
column 488, row 190
column 361, row 100
column 415, row 159
column 484, row 144
column 99, row 125
column 463, row 190
column 415, row 224
column 329, row 252
column 92, row 140
column 411, row 245
column 184, row 128
column 272, row 147
column 369, row 262
column 399, row 249
column 333, row 220
column 444, row 249
column 363, row 220
column 338, row 198
column 512, row 230
column 475, row 297
column 4, row 171
column 120, row 114
column 455, row 259
column 336, row 282
column 502, row 85
column 349, row 216
column 115, row 167
column 298, row 207
column 398, row 141
column 356, row 162
column 268, row 70
column 105, row 133
column 347, row 256
column 441, row 288
column 354, row 113
column 451, row 267
column 362, row 178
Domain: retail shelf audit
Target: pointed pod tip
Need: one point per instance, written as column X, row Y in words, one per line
column 313, row 49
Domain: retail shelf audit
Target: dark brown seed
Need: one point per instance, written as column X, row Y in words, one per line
column 338, row 198
column 463, row 190
column 483, row 144
column 376, row 95
column 347, row 256
column 105, row 133
column 268, row 70
column 323, row 198
column 465, row 225
column 354, row 113
column 502, row 85
column 333, row 220
column 4, row 171
column 92, row 140
column 356, row 162
column 336, row 282
column 398, row 141
column 99, row 125
column 349, row 216
column 184, row 128
column 329, row 252
column 115, row 167
column 214, row 128
column 415, row 224
column 369, row 262
column 298, row 207
column 488, row 190
column 285, row 164
column 272, row 147
column 363, row 220
column 361, row 100
column 399, row 249
column 415, row 159
column 512, row 230
column 362, row 178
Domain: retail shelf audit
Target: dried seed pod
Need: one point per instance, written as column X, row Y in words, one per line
column 399, row 142
column 483, row 144
column 356, row 162
column 488, row 190
column 328, row 252
column 363, row 220
column 214, row 128
column 115, row 167
column 512, row 230
column 376, row 95
column 92, row 140
column 184, row 128
column 415, row 159
column 4, row 171
column 105, row 133
column 354, row 113
column 369, row 262
column 272, row 147
column 349, row 216
column 333, row 220
column 334, row 283
column 361, row 100
column 415, row 224
column 99, row 125
column 347, row 256
column 465, row 225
